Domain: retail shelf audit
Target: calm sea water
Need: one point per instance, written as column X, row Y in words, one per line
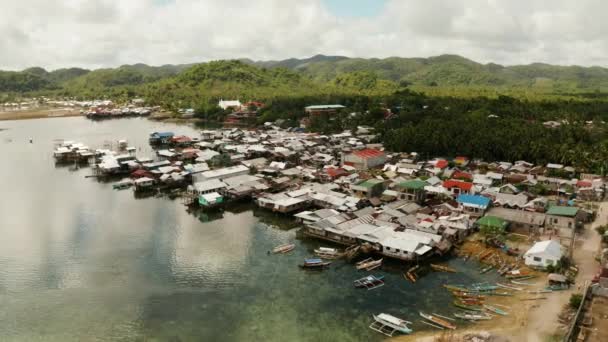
column 80, row 261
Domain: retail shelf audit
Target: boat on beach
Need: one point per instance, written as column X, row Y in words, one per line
column 461, row 305
column 282, row 249
column 510, row 287
column 368, row 264
column 370, row 282
column 473, row 317
column 328, row 253
column 495, row 310
column 315, row 264
column 388, row 324
column 439, row 321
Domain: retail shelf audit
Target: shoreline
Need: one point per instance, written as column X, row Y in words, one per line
column 38, row 114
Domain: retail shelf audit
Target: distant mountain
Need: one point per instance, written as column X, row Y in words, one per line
column 316, row 73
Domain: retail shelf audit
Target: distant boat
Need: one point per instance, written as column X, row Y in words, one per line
column 496, row 310
column 368, row 264
column 442, row 268
column 370, row 282
column 328, row 253
column 510, row 287
column 282, row 249
column 387, row 324
column 460, row 304
column 473, row 317
column 441, row 322
column 315, row 264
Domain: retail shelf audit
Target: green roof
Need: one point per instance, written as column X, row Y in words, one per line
column 415, row 184
column 562, row 211
column 492, row 221
column 370, row 183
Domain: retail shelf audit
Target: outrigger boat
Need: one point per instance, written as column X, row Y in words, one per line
column 370, row 282
column 387, row 324
column 510, row 287
column 470, row 295
column 486, row 269
column 482, row 287
column 315, row 264
column 282, row 249
column 458, row 288
column 473, row 317
column 441, row 322
column 496, row 310
column 460, row 304
column 442, row 268
column 328, row 253
column 368, row 264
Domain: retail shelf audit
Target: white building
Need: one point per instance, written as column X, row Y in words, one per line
column 543, row 254
column 229, row 104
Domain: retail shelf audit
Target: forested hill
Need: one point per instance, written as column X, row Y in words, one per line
column 452, row 70
column 318, row 74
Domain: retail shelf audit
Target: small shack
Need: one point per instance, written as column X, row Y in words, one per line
column 543, row 254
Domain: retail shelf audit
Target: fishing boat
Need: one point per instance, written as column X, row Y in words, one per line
column 486, row 269
column 483, row 287
column 368, row 264
column 441, row 322
column 557, row 287
column 387, row 324
column 473, row 317
column 370, row 282
column 124, row 184
column 471, row 295
column 315, row 264
column 328, row 253
column 495, row 310
column 458, row 288
column 498, row 293
column 510, row 287
column 442, row 268
column 282, row 249
column 460, row 304
column 517, row 282
column 410, row 276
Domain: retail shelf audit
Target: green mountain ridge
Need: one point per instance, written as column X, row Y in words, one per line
column 316, row 74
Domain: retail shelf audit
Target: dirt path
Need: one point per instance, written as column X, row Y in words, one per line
column 542, row 320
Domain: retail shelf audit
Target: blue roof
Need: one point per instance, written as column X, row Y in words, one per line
column 474, row 199
column 162, row 134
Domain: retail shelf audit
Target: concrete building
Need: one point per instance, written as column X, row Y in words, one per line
column 543, row 254
column 365, row 159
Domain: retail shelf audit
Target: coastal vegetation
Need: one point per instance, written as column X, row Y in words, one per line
column 450, row 116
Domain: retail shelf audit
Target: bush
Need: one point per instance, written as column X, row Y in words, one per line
column 601, row 230
column 575, row 300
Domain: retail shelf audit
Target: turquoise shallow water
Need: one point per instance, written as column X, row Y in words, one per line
column 82, row 262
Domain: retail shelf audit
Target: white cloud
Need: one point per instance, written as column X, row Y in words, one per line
column 102, row 33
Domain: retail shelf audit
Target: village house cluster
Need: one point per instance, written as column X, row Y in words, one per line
column 347, row 189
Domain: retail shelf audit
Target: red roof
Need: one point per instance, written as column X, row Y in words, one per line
column 583, row 184
column 441, row 163
column 181, row 138
column 368, row 153
column 335, row 172
column 452, row 183
column 139, row 173
column 460, row 175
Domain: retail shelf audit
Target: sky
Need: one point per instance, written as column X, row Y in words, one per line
column 109, row 33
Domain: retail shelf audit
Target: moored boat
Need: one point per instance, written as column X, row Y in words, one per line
column 315, row 264
column 460, row 304
column 441, row 322
column 328, row 253
column 370, row 282
column 282, row 249
column 495, row 310
column 388, row 324
column 473, row 317
column 510, row 287
column 368, row 264
column 442, row 268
